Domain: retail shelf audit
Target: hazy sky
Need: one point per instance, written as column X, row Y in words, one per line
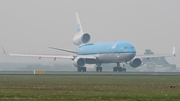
column 30, row 26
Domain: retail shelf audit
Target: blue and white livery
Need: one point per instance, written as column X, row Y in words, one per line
column 119, row 52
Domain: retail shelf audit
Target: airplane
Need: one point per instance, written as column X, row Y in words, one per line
column 119, row 52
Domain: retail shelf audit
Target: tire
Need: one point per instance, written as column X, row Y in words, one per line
column 97, row 69
column 123, row 69
column 100, row 69
column 84, row 69
column 115, row 69
column 119, row 69
column 79, row 69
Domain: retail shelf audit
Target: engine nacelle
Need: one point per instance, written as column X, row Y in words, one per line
column 81, row 38
column 135, row 62
column 79, row 62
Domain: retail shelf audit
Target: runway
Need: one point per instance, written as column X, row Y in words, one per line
column 73, row 73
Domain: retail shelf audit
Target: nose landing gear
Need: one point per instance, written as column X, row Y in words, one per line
column 119, row 68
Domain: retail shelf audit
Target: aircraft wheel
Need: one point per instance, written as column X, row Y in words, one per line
column 114, row 69
column 119, row 69
column 97, row 69
column 123, row 69
column 100, row 69
column 79, row 69
column 84, row 69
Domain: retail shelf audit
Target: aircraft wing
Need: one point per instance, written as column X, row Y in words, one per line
column 156, row 55
column 153, row 55
column 41, row 55
column 51, row 56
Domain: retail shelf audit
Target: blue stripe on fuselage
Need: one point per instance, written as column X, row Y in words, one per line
column 105, row 48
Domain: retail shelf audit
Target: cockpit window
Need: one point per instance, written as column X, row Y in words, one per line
column 131, row 47
column 128, row 47
column 125, row 47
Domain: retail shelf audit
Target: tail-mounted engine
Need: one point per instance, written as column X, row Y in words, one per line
column 79, row 62
column 135, row 62
column 81, row 39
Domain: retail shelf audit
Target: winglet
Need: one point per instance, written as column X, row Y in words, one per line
column 174, row 51
column 4, row 51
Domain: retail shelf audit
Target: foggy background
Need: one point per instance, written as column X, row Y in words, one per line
column 31, row 26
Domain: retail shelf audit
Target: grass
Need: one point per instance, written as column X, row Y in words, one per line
column 89, row 88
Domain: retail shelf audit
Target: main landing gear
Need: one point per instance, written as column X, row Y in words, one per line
column 81, row 69
column 98, row 68
column 119, row 69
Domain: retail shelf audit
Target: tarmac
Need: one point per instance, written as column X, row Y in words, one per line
column 91, row 73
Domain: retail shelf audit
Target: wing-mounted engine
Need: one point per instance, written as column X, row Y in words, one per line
column 135, row 62
column 81, row 39
column 79, row 62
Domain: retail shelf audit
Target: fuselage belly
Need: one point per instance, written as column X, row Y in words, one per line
column 115, row 57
